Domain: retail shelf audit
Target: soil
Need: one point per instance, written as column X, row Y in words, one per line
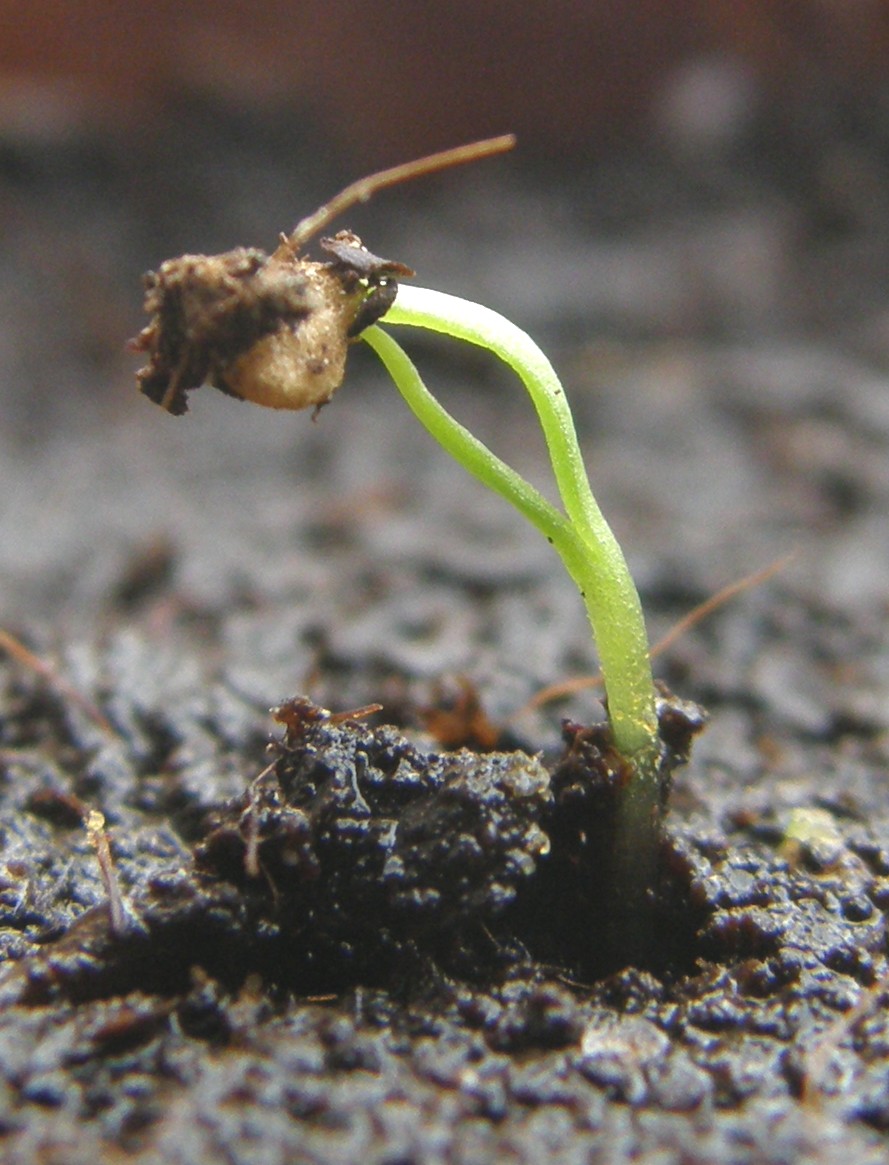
column 353, row 944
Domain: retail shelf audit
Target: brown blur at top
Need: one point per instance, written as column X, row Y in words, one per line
column 393, row 80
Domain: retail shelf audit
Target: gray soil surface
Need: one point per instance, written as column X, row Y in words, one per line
column 723, row 328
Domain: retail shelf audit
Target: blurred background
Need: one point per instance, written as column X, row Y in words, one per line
column 695, row 224
column 131, row 131
column 399, row 78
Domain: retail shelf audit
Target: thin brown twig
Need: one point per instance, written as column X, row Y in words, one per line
column 722, row 596
column 95, row 828
column 353, row 714
column 696, row 615
column 250, row 820
column 26, row 658
column 365, row 188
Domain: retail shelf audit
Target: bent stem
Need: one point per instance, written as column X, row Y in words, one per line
column 587, row 548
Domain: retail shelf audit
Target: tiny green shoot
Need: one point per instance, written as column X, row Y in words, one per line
column 588, row 549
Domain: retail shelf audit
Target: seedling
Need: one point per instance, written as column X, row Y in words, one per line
column 275, row 329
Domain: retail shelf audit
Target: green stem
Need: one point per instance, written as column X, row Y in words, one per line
column 592, row 558
column 475, row 457
column 603, row 577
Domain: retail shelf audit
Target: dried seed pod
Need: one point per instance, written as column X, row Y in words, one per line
column 272, row 329
column 275, row 329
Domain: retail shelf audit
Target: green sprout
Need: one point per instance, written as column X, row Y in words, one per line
column 276, row 328
column 582, row 538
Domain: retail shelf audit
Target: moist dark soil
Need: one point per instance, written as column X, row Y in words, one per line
column 330, row 936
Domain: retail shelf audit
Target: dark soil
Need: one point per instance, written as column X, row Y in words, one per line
column 285, row 977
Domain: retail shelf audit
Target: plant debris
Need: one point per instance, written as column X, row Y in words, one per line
column 273, row 329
